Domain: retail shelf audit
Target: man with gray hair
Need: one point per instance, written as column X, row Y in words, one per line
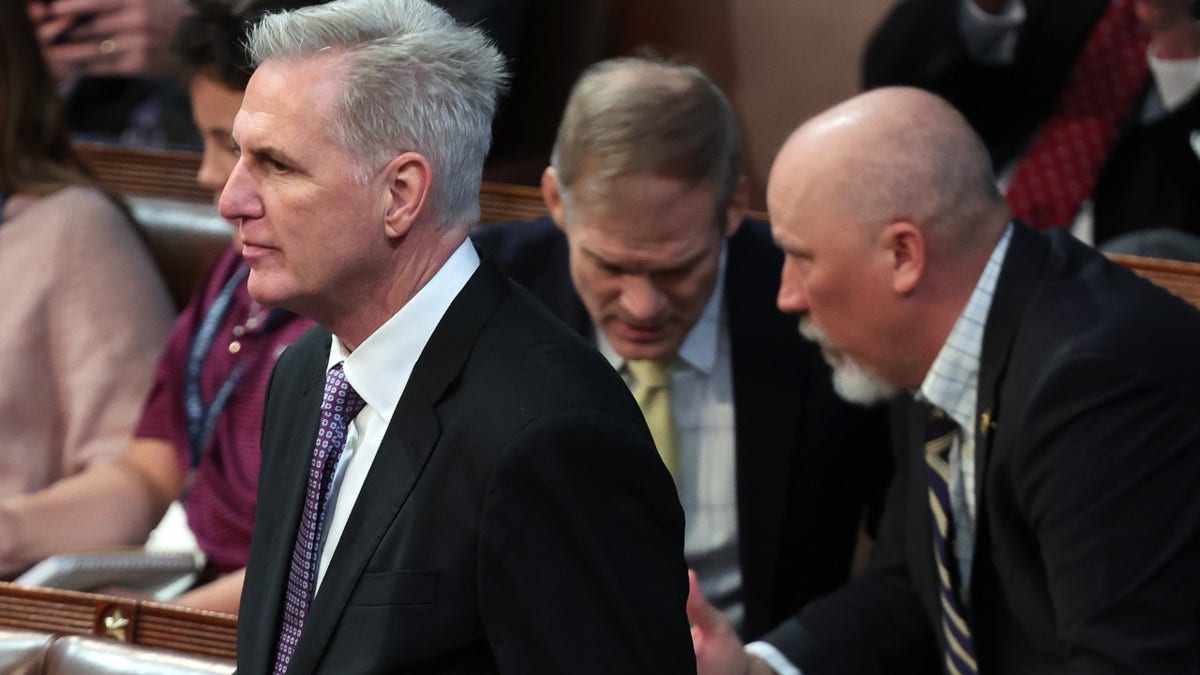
column 1051, row 429
column 648, row 253
column 451, row 501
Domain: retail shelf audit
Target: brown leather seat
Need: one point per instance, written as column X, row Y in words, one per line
column 184, row 238
column 79, row 655
column 23, row 652
column 35, row 653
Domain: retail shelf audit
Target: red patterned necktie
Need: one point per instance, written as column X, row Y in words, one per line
column 340, row 405
column 1059, row 170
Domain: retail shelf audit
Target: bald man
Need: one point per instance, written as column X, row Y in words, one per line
column 1044, row 516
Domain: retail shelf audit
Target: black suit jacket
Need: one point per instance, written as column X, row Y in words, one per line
column 808, row 464
column 1150, row 176
column 1087, row 552
column 516, row 519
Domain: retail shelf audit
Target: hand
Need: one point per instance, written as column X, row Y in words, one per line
column 221, row 595
column 1174, row 33
column 106, row 37
column 718, row 648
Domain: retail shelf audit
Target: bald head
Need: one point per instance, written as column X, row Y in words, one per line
column 894, row 154
column 887, row 212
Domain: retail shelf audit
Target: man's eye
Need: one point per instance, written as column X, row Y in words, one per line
column 673, row 273
column 278, row 166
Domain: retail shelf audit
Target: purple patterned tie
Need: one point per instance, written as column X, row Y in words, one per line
column 340, row 405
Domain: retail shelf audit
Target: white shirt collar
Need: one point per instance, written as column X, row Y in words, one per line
column 379, row 369
column 1176, row 81
column 699, row 348
column 952, row 382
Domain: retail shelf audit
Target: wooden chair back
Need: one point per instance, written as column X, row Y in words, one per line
column 140, row 622
column 1180, row 278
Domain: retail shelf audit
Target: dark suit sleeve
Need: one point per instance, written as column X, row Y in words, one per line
column 1108, row 482
column 876, row 623
column 581, row 553
column 1150, row 177
column 917, row 43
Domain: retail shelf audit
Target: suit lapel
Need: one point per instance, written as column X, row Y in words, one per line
column 410, row 440
column 1021, row 272
column 278, row 515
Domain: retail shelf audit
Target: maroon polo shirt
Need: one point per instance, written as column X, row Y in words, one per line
column 220, row 504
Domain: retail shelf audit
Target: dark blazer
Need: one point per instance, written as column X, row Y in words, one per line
column 1087, row 553
column 1151, row 174
column 808, row 464
column 485, row 537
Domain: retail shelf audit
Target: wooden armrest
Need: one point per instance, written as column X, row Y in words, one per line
column 1180, row 278
column 151, row 624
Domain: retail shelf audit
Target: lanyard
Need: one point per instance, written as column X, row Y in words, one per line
column 201, row 419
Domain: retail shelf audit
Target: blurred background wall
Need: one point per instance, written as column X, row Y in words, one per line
column 779, row 61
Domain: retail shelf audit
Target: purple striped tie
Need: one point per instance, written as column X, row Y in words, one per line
column 340, row 405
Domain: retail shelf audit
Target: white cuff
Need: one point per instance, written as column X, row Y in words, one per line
column 1176, row 80
column 991, row 38
column 774, row 658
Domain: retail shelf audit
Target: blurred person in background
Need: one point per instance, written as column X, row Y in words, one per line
column 108, row 37
column 85, row 311
column 114, row 61
column 199, row 431
column 1089, row 109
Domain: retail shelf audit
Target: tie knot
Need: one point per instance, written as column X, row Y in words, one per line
column 340, row 398
column 939, row 432
column 650, row 373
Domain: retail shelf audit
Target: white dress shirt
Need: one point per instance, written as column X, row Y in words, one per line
column 705, row 475
column 952, row 384
column 379, row 370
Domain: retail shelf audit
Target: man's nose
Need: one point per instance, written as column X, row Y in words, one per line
column 642, row 300
column 793, row 294
column 239, row 200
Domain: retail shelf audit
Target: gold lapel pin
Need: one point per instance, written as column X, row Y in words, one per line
column 986, row 424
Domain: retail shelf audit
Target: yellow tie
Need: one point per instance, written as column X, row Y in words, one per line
column 653, row 395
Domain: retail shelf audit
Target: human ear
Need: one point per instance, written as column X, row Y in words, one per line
column 739, row 203
column 409, row 182
column 905, row 246
column 552, row 195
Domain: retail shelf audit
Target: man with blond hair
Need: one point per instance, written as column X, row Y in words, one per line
column 649, row 253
